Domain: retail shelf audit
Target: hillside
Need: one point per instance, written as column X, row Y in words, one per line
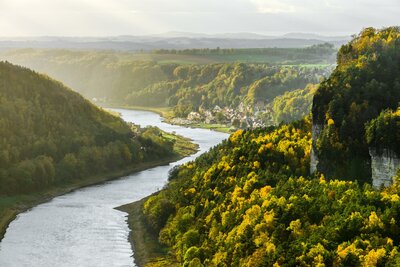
column 52, row 137
column 193, row 80
column 293, row 105
column 51, row 134
column 113, row 75
column 365, row 82
column 252, row 201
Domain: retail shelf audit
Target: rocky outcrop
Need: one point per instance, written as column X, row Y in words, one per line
column 384, row 166
column 316, row 131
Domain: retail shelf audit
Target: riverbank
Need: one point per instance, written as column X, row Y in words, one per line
column 167, row 115
column 11, row 206
column 164, row 112
column 210, row 126
column 147, row 250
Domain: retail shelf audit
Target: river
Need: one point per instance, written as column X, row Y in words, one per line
column 82, row 228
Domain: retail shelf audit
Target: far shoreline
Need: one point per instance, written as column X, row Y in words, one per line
column 166, row 114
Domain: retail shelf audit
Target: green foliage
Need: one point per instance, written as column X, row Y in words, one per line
column 228, row 85
column 293, row 105
column 156, row 211
column 51, row 135
column 383, row 132
column 322, row 53
column 251, row 202
column 365, row 82
column 134, row 79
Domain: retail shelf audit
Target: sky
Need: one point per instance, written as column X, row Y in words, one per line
column 143, row 17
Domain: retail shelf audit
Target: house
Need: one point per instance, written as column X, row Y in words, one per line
column 194, row 116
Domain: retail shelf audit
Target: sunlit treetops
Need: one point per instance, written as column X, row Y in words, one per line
column 365, row 82
column 251, row 200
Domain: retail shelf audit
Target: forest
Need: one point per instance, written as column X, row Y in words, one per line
column 293, row 105
column 383, row 132
column 365, row 82
column 226, row 85
column 252, row 201
column 315, row 54
column 51, row 135
column 194, row 85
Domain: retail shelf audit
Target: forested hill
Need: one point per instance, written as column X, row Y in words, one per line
column 51, row 135
column 252, row 201
column 365, row 82
column 187, row 80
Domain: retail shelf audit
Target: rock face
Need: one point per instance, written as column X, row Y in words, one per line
column 316, row 131
column 384, row 166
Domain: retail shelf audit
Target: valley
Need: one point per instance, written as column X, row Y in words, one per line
column 84, row 220
column 245, row 133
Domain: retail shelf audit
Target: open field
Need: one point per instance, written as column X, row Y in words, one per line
column 276, row 56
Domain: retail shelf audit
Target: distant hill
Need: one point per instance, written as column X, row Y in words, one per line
column 306, row 36
column 235, row 35
column 137, row 79
column 171, row 40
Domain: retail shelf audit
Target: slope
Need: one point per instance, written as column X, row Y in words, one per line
column 51, row 138
column 251, row 201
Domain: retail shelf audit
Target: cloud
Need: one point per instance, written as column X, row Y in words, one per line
column 116, row 17
column 273, row 6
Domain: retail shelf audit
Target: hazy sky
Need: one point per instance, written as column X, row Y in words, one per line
column 136, row 17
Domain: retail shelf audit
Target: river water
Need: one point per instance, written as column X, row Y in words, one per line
column 82, row 228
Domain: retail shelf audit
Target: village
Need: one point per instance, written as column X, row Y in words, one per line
column 245, row 116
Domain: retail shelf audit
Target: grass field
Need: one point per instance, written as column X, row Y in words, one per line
column 275, row 56
column 215, row 127
column 210, row 59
